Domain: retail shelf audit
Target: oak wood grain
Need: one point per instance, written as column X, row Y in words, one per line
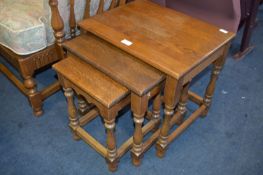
column 96, row 84
column 119, row 65
column 180, row 42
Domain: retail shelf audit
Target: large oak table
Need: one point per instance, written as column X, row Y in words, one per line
column 176, row 44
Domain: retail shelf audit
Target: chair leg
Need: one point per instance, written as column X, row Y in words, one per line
column 73, row 117
column 245, row 47
column 111, row 158
column 34, row 96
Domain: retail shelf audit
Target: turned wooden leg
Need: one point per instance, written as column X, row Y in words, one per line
column 139, row 108
column 111, row 158
column 137, row 140
column 162, row 142
column 72, row 111
column 218, row 64
column 34, row 96
column 171, row 93
column 181, row 108
column 83, row 105
column 156, row 110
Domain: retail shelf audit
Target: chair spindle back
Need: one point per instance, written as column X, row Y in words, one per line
column 58, row 24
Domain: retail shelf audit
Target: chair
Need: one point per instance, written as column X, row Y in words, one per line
column 249, row 9
column 27, row 41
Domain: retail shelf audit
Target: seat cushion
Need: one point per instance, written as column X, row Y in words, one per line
column 21, row 26
column 25, row 25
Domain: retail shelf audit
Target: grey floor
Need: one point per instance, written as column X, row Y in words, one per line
column 228, row 141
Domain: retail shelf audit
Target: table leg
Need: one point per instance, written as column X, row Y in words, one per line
column 83, row 105
column 182, row 104
column 171, row 93
column 217, row 67
column 111, row 145
column 73, row 118
column 139, row 107
column 156, row 110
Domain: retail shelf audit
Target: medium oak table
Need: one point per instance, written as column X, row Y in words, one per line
column 143, row 81
column 176, row 44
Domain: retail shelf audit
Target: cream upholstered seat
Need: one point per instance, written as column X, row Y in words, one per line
column 25, row 24
column 28, row 44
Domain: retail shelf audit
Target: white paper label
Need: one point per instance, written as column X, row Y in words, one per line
column 126, row 42
column 223, row 31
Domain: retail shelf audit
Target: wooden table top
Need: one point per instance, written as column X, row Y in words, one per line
column 168, row 40
column 120, row 66
column 89, row 79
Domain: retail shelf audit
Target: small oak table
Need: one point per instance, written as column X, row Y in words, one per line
column 176, row 44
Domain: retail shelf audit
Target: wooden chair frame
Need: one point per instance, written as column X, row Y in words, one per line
column 26, row 66
column 249, row 23
column 29, row 64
